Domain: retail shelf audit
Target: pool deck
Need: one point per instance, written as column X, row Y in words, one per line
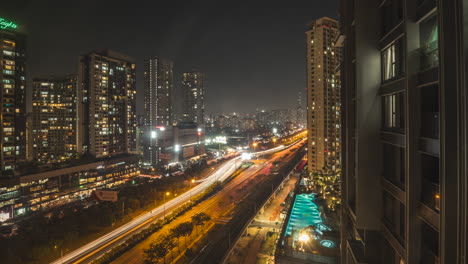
column 305, row 217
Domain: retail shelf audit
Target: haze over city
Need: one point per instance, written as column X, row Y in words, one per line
column 148, row 132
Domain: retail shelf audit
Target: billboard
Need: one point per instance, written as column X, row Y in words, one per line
column 106, row 196
column 188, row 151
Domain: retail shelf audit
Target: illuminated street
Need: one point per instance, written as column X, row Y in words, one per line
column 104, row 243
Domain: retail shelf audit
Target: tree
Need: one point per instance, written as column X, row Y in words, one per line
column 186, row 229
column 155, row 252
column 176, row 232
column 159, row 249
column 200, row 219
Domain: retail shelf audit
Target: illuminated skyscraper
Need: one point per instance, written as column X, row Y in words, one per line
column 158, row 107
column 158, row 92
column 323, row 96
column 193, row 85
column 107, row 104
column 13, row 96
column 54, row 119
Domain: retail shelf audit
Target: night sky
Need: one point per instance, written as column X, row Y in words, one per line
column 253, row 54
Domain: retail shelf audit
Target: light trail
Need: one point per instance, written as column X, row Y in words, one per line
column 221, row 174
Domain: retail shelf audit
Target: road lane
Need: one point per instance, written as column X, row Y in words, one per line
column 221, row 174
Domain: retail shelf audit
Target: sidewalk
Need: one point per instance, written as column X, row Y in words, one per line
column 253, row 247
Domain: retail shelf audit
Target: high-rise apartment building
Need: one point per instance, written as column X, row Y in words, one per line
column 158, row 92
column 193, row 86
column 300, row 119
column 404, row 177
column 323, row 97
column 54, row 125
column 158, row 107
column 107, row 104
column 12, row 96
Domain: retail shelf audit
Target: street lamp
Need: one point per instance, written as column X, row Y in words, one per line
column 274, row 142
column 255, row 145
column 166, row 194
column 191, row 193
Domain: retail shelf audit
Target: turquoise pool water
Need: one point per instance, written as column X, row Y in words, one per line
column 304, row 213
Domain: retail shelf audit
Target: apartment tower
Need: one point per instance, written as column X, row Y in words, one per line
column 158, row 107
column 107, row 104
column 193, row 86
column 404, row 177
column 54, row 125
column 158, row 92
column 13, row 96
column 323, row 97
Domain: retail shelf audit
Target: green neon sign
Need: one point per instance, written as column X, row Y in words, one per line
column 4, row 24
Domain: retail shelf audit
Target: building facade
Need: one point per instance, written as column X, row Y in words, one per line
column 173, row 143
column 54, row 125
column 107, row 104
column 158, row 106
column 323, row 97
column 13, row 97
column 158, row 92
column 404, row 187
column 193, row 86
column 300, row 117
column 46, row 189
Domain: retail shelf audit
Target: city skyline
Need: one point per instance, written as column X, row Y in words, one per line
column 330, row 133
column 219, row 50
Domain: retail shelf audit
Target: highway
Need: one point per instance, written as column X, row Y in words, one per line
column 116, row 236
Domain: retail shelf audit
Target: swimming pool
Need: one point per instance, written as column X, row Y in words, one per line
column 304, row 213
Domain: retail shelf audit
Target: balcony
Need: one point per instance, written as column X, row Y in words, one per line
column 430, row 194
column 425, row 7
column 429, row 56
column 428, row 256
column 430, row 125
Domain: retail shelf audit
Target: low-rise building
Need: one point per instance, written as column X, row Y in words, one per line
column 48, row 188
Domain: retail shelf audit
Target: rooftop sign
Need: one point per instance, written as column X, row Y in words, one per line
column 4, row 24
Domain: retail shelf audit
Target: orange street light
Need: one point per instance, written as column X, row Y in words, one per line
column 191, row 193
column 164, row 213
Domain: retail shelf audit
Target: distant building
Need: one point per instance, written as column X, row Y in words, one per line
column 300, row 117
column 107, row 104
column 248, row 124
column 262, row 117
column 54, row 126
column 193, row 87
column 13, row 96
column 173, row 143
column 323, row 93
column 158, row 92
column 158, row 106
